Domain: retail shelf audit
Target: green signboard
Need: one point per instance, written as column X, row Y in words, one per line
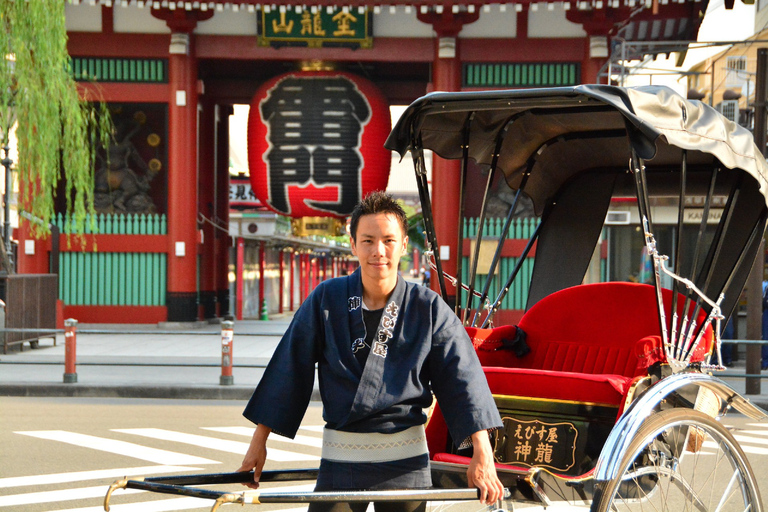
column 316, row 27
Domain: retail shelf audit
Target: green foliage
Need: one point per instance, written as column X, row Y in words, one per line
column 58, row 131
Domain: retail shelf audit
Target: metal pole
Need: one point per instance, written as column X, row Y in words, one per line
column 755, row 280
column 7, row 202
column 227, row 338
column 70, row 350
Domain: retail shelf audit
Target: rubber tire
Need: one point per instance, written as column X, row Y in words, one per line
column 606, row 492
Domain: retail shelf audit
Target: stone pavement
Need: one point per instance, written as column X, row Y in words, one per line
column 173, row 361
column 145, row 361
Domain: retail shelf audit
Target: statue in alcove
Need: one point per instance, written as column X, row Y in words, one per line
column 122, row 181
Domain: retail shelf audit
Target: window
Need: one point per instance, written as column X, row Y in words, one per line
column 735, row 71
column 730, row 109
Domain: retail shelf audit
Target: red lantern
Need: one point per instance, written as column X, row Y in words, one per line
column 316, row 143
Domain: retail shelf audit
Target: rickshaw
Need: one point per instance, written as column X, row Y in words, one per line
column 606, row 389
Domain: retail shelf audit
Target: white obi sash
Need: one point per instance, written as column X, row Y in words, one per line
column 373, row 446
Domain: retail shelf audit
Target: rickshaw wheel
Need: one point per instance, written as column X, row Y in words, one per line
column 681, row 460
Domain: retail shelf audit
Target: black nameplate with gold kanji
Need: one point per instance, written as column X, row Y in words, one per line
column 536, row 443
column 315, row 27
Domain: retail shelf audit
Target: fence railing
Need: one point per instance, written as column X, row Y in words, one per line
column 521, row 227
column 112, row 279
column 117, row 224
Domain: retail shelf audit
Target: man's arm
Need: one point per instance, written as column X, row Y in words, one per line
column 256, row 455
column 482, row 470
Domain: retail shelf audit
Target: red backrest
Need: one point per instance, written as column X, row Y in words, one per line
column 592, row 328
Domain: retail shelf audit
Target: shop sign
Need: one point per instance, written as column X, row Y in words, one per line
column 316, row 143
column 317, row 226
column 536, row 443
column 241, row 194
column 315, row 27
column 694, row 215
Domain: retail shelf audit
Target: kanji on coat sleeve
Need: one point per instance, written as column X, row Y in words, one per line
column 419, row 344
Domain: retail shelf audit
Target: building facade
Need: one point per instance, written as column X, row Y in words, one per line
column 171, row 72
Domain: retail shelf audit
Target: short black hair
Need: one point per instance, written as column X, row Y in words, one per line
column 377, row 202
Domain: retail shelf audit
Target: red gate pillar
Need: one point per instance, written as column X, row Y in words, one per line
column 291, row 288
column 262, row 272
column 597, row 25
column 239, row 278
column 182, row 180
column 281, row 286
column 183, row 237
column 446, row 174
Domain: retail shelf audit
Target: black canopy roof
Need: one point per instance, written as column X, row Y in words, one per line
column 575, row 143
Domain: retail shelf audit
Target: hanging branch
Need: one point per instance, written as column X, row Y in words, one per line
column 58, row 132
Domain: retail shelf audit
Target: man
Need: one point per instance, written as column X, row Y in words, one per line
column 382, row 346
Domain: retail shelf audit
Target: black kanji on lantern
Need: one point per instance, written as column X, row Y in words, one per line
column 314, row 139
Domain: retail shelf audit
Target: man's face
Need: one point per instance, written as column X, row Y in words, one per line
column 379, row 244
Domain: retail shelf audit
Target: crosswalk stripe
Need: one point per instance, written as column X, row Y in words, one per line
column 215, row 443
column 168, row 505
column 314, row 442
column 755, row 450
column 136, row 451
column 755, row 432
column 312, row 428
column 750, row 439
column 80, row 493
column 79, row 476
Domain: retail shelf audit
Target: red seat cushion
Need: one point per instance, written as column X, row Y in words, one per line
column 608, row 389
column 591, row 329
column 544, row 384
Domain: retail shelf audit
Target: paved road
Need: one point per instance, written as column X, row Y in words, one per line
column 60, row 454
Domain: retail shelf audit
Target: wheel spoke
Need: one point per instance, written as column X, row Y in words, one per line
column 681, row 460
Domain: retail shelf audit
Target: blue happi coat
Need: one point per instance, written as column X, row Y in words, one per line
column 419, row 348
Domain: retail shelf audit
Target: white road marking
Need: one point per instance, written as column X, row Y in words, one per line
column 214, row 443
column 147, row 506
column 101, row 491
column 168, row 505
column 314, row 442
column 747, row 449
column 312, row 428
column 137, row 451
column 60, row 495
column 79, row 476
column 750, row 439
column 754, row 432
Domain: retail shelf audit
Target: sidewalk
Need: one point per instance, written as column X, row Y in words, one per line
column 165, row 361
column 172, row 361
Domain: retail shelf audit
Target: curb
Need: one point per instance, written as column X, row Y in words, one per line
column 134, row 391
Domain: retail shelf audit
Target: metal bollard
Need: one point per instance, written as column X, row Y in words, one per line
column 70, row 350
column 227, row 336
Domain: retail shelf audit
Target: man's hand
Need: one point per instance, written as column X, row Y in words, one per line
column 256, row 455
column 482, row 471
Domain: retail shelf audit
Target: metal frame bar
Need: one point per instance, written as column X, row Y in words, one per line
column 481, row 224
column 462, row 190
column 679, row 244
column 426, row 211
column 499, row 247
column 503, row 292
column 641, row 185
column 699, row 241
column 718, row 243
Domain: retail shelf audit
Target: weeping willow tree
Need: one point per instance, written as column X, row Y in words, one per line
column 58, row 131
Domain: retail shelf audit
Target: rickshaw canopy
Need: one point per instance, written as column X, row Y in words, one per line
column 569, row 149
